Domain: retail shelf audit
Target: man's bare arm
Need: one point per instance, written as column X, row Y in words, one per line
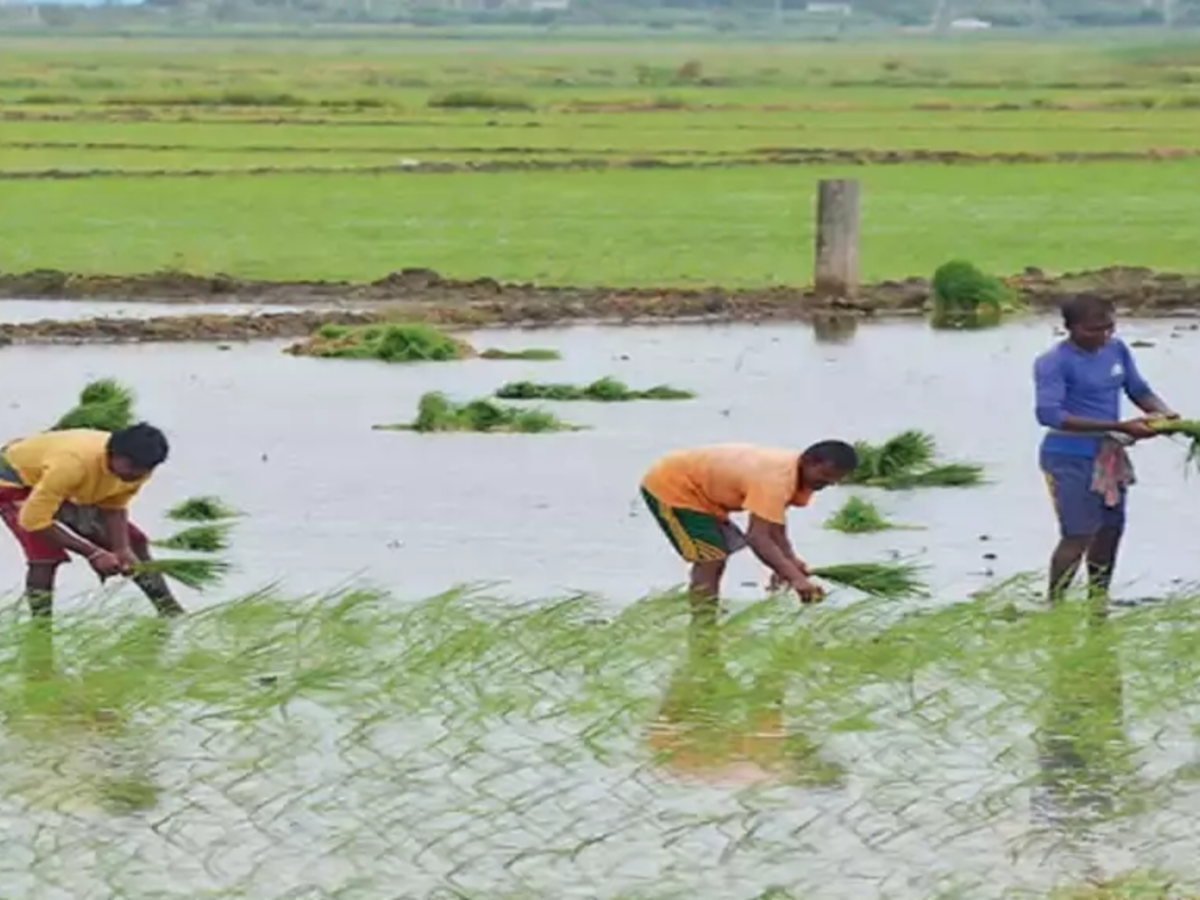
column 116, row 529
column 762, row 540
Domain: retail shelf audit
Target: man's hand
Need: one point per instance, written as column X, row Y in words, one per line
column 1139, row 428
column 807, row 590
column 128, row 559
column 107, row 564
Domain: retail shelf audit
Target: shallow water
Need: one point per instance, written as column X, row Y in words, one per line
column 443, row 750
column 289, row 440
column 19, row 311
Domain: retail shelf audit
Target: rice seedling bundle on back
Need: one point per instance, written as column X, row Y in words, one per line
column 602, row 390
column 436, row 412
column 908, row 460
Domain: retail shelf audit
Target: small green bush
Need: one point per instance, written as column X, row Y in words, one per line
column 961, row 287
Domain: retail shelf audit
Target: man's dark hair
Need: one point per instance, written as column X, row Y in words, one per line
column 839, row 454
column 1083, row 307
column 142, row 444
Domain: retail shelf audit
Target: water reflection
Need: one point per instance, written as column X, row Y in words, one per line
column 834, row 329
column 1085, row 758
column 74, row 742
column 716, row 727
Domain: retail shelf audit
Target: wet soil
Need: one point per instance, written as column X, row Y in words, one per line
column 425, row 296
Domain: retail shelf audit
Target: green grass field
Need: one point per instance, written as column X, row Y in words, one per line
column 108, row 110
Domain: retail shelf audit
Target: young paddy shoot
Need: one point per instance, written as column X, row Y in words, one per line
column 206, row 508
column 908, row 460
column 603, row 390
column 437, row 413
column 860, row 516
column 206, row 538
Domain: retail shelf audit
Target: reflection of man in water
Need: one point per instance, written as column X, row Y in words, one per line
column 69, row 491
column 1084, row 754
column 713, row 728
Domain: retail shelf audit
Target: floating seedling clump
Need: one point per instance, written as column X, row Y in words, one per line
column 964, row 296
column 859, row 516
column 393, row 343
column 436, row 412
column 207, row 538
column 909, row 460
column 532, row 354
column 605, row 390
column 201, row 509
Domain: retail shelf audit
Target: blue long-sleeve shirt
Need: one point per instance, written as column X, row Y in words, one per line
column 1071, row 381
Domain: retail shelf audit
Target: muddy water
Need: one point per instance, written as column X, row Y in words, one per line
column 289, row 440
column 528, row 802
column 16, row 311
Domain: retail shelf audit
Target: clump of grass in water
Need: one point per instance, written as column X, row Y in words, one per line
column 208, row 538
column 104, row 405
column 533, row 354
column 859, row 516
column 966, row 297
column 436, row 412
column 393, row 343
column 907, row 460
column 202, row 509
column 605, row 390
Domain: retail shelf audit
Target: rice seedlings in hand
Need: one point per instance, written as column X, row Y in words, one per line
column 1187, row 428
column 202, row 509
column 891, row 580
column 436, row 412
column 859, row 516
column 208, row 538
column 197, row 574
column 602, row 390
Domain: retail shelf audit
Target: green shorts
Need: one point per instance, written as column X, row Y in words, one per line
column 696, row 536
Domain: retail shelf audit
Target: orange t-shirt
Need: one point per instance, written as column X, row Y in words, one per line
column 727, row 478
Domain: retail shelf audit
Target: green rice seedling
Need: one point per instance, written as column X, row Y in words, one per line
column 892, row 580
column 908, row 460
column 392, row 343
column 198, row 574
column 533, row 354
column 604, row 390
column 202, row 509
column 859, row 516
column 1187, row 428
column 437, row 413
column 104, row 405
column 208, row 538
column 960, row 287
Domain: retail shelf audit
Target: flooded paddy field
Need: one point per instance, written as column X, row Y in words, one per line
column 331, row 742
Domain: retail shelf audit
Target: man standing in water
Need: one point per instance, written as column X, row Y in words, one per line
column 692, row 492
column 51, row 481
column 1078, row 384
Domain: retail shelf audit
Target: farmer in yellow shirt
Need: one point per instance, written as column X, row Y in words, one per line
column 693, row 492
column 46, row 479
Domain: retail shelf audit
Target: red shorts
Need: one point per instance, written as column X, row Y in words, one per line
column 37, row 549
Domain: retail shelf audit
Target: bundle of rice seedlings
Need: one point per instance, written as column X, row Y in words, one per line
column 105, row 405
column 535, row 354
column 397, row 342
column 1188, row 428
column 197, row 574
column 209, row 538
column 603, row 390
column 436, row 412
column 858, row 516
column 895, row 580
column 202, row 509
column 906, row 460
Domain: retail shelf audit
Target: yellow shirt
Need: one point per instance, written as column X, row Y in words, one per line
column 65, row 465
column 727, row 478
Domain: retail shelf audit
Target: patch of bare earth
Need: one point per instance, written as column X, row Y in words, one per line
column 421, row 295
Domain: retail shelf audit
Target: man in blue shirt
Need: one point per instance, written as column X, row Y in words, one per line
column 1079, row 384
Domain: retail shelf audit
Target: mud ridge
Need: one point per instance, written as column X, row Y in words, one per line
column 813, row 156
column 424, row 295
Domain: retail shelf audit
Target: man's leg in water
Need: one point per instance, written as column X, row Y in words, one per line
column 1102, row 554
column 41, row 556
column 1080, row 513
column 702, row 540
column 86, row 522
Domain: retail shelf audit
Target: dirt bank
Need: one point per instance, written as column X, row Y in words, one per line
column 423, row 295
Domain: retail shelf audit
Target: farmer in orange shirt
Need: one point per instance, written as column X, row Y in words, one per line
column 693, row 492
column 48, row 481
